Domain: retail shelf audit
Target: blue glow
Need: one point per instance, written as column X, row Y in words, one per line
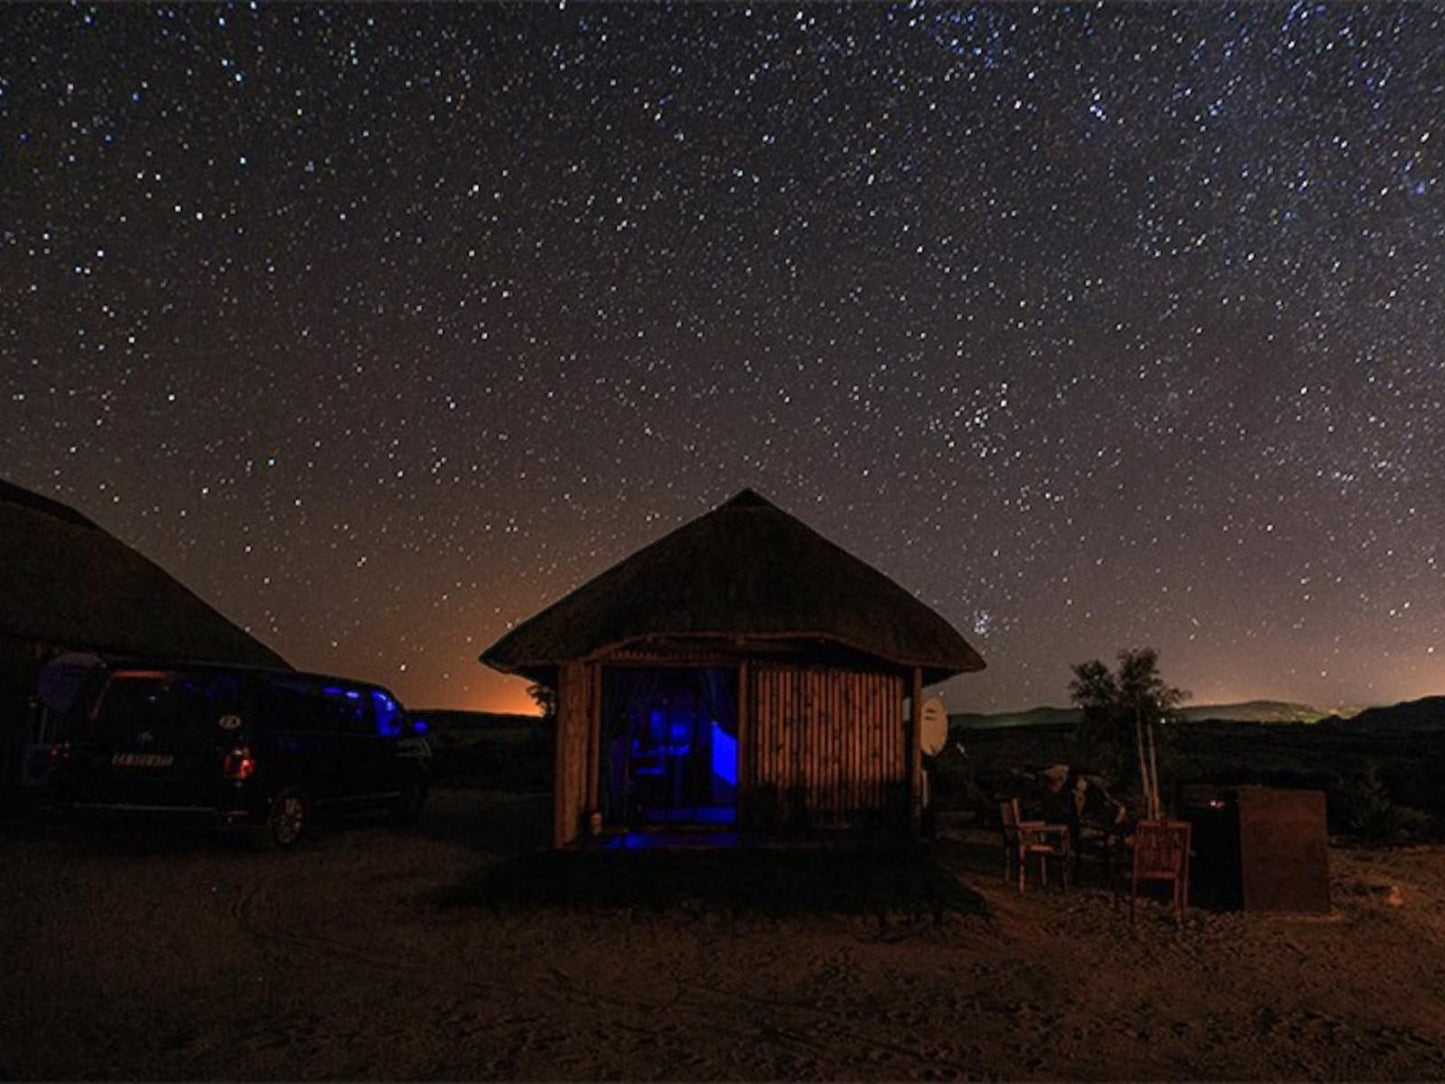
column 701, row 814
column 724, row 755
column 388, row 715
column 664, row 840
column 418, row 726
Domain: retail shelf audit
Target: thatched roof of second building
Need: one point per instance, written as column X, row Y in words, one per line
column 67, row 583
column 747, row 569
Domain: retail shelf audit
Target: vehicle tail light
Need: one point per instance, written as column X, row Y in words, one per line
column 240, row 764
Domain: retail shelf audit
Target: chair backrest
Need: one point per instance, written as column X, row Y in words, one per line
column 1161, row 848
column 1008, row 813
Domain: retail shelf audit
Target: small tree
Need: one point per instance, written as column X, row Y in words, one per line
column 545, row 698
column 1123, row 709
column 1099, row 741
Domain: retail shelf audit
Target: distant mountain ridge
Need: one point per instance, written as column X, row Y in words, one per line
column 1411, row 715
column 479, row 720
column 1254, row 711
column 1249, row 711
column 1005, row 720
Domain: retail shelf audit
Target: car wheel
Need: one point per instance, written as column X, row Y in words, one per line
column 288, row 820
column 407, row 808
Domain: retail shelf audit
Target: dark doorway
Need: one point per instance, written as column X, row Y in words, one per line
column 670, row 750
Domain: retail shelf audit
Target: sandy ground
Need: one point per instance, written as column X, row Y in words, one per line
column 438, row 952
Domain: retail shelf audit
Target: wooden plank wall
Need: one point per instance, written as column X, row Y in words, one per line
column 823, row 746
column 576, row 693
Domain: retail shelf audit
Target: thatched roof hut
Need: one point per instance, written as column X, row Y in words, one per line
column 747, row 569
column 67, row 585
column 799, row 653
column 70, row 586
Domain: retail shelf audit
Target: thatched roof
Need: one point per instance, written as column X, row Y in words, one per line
column 747, row 570
column 65, row 582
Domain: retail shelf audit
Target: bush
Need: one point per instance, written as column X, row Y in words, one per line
column 510, row 758
column 952, row 785
column 1375, row 817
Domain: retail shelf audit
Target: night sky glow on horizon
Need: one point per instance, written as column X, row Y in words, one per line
column 382, row 327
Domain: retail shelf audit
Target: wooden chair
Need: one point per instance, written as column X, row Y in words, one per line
column 1161, row 853
column 1023, row 838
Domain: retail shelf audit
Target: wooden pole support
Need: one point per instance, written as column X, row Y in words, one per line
column 915, row 752
column 744, row 765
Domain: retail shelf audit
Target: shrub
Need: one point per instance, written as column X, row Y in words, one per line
column 1375, row 817
column 952, row 785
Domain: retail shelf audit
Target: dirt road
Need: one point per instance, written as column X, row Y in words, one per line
column 439, row 953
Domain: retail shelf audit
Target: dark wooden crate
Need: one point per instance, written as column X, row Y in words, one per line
column 1258, row 849
column 1283, row 850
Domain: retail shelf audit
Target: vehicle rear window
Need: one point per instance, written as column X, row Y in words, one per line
column 173, row 709
column 388, row 714
column 330, row 706
column 290, row 703
column 344, row 710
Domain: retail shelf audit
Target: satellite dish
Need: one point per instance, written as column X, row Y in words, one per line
column 60, row 679
column 935, row 727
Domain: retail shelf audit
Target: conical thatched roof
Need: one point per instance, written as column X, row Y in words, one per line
column 65, row 582
column 747, row 569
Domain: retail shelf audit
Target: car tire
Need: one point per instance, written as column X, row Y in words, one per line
column 407, row 808
column 287, row 821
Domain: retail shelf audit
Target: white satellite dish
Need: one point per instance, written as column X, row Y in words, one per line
column 935, row 727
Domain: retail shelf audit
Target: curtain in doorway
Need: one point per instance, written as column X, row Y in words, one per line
column 629, row 698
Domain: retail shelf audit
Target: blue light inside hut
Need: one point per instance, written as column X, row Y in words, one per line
column 671, row 740
column 724, row 755
column 667, row 738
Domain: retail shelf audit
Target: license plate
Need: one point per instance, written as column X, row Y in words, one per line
column 142, row 760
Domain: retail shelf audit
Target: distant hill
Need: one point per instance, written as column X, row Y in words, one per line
column 1416, row 715
column 452, row 719
column 1008, row 720
column 1254, row 711
column 489, row 750
column 1251, row 711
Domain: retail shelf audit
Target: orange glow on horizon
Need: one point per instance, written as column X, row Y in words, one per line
column 505, row 694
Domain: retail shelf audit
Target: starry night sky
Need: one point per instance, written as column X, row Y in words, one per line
column 383, row 327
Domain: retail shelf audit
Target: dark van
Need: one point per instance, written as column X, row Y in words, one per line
column 239, row 747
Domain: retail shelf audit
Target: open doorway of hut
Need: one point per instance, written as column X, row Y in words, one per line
column 670, row 749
